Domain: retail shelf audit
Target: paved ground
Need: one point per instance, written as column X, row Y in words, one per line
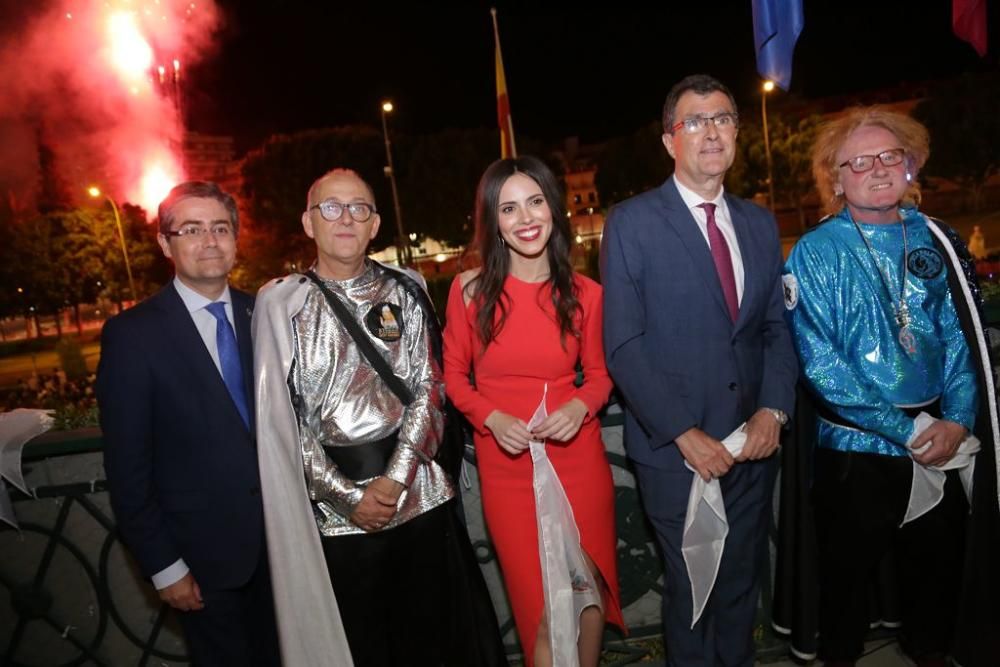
column 881, row 653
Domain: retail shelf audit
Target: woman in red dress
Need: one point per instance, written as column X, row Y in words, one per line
column 520, row 322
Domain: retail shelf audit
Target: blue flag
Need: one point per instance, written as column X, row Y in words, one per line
column 776, row 27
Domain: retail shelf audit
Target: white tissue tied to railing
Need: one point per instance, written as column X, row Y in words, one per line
column 17, row 427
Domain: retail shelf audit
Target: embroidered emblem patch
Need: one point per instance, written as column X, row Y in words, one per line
column 791, row 289
column 925, row 263
column 385, row 321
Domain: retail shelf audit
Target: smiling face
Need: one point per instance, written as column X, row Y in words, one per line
column 340, row 244
column 871, row 196
column 202, row 262
column 702, row 158
column 524, row 218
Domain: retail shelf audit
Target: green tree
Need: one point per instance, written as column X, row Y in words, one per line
column 791, row 149
column 276, row 178
column 438, row 181
column 791, row 161
column 632, row 164
column 439, row 175
column 63, row 258
column 94, row 251
column 748, row 174
column 436, row 175
column 37, row 246
column 10, row 299
column 964, row 126
column 150, row 269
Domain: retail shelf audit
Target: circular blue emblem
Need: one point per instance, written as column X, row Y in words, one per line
column 925, row 263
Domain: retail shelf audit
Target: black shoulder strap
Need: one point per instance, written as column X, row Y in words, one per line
column 368, row 349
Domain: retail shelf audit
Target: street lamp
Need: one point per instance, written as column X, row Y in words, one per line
column 768, row 87
column 95, row 192
column 403, row 255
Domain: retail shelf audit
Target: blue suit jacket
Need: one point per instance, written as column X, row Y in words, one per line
column 181, row 465
column 671, row 346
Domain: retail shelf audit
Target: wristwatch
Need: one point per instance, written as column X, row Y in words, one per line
column 779, row 415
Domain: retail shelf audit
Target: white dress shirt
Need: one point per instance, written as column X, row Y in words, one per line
column 205, row 322
column 722, row 220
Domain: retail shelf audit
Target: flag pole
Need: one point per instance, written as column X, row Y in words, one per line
column 507, row 146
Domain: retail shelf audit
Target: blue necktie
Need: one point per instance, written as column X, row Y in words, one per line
column 229, row 358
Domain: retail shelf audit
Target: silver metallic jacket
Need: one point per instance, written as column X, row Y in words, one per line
column 344, row 403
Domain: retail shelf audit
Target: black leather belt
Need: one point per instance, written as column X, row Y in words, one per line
column 933, row 409
column 365, row 461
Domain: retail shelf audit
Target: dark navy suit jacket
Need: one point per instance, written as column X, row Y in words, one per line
column 671, row 346
column 181, row 464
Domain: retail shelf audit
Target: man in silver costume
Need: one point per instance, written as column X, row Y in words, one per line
column 353, row 497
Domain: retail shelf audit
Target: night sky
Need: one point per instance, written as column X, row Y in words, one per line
column 594, row 73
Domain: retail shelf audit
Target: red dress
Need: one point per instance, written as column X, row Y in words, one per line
column 510, row 377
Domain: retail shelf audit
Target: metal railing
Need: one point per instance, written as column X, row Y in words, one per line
column 76, row 597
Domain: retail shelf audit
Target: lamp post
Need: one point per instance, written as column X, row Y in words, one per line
column 403, row 255
column 96, row 192
column 768, row 87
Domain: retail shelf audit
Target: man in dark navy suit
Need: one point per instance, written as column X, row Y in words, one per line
column 696, row 341
column 175, row 390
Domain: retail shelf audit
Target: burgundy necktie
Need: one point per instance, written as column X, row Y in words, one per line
column 723, row 260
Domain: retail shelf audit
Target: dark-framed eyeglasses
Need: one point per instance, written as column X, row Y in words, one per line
column 728, row 120
column 220, row 230
column 332, row 210
column 862, row 163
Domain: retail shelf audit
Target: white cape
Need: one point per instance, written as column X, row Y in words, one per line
column 309, row 625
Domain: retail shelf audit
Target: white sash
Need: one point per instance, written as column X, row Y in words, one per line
column 705, row 530
column 927, row 488
column 567, row 583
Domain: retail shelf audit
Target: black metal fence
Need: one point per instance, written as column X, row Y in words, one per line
column 74, row 596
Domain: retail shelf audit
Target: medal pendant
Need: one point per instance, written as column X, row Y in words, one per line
column 903, row 317
column 907, row 340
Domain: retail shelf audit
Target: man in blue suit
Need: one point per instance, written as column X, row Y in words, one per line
column 175, row 390
column 696, row 341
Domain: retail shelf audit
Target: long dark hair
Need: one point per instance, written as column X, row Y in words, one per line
column 487, row 287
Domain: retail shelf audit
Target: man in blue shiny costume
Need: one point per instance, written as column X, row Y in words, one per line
column 884, row 318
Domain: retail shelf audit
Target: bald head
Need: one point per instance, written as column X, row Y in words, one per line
column 336, row 174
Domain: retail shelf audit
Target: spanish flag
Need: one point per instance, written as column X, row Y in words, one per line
column 507, row 147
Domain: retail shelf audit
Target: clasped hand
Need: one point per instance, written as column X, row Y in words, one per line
column 763, row 436
column 183, row 595
column 705, row 454
column 946, row 437
column 513, row 436
column 378, row 505
column 710, row 458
